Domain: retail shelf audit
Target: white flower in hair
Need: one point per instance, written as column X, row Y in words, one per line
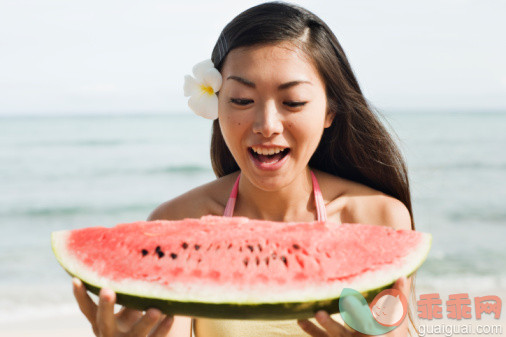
column 202, row 89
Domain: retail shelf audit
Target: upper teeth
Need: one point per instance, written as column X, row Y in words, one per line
column 269, row 151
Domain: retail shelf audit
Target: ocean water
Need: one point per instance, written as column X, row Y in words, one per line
column 64, row 172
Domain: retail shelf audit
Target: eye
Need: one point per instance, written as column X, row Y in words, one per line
column 294, row 104
column 241, row 101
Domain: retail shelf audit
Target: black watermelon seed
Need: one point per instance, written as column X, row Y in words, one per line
column 197, row 247
column 185, row 245
column 250, row 247
column 173, row 255
column 284, row 260
column 259, row 247
column 144, row 252
column 158, row 250
column 257, row 260
column 267, row 261
column 245, row 261
column 296, row 246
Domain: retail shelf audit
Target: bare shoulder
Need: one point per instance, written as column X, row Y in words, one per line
column 207, row 199
column 369, row 206
column 357, row 203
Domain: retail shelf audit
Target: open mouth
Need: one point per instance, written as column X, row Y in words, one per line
column 269, row 158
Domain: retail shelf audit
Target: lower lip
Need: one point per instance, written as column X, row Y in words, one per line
column 269, row 166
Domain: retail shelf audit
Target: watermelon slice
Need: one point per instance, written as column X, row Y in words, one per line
column 234, row 267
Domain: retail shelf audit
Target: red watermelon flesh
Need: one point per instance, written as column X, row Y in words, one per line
column 237, row 260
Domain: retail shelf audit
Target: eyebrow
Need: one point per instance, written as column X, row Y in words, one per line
column 253, row 85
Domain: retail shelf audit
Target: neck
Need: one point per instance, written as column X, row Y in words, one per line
column 293, row 202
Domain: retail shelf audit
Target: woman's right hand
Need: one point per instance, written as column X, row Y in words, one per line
column 125, row 323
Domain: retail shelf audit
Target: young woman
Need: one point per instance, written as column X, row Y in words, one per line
column 295, row 140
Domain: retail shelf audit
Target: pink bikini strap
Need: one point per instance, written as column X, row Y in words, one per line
column 320, row 204
column 229, row 209
column 318, row 197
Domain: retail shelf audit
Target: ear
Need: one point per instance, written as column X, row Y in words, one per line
column 329, row 118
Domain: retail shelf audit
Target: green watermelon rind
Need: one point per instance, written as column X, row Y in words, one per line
column 256, row 311
column 271, row 311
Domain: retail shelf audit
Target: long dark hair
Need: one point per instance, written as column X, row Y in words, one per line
column 356, row 146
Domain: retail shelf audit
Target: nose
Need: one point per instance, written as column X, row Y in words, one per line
column 268, row 120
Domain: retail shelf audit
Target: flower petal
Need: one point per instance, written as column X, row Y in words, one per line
column 213, row 78
column 191, row 86
column 204, row 105
column 200, row 68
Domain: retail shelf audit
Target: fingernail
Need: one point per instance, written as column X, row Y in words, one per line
column 168, row 320
column 106, row 294
column 76, row 282
column 321, row 315
column 302, row 324
column 153, row 313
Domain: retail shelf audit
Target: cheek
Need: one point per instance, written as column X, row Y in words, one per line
column 233, row 128
column 231, row 122
column 307, row 128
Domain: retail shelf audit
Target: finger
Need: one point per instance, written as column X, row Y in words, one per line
column 146, row 323
column 106, row 320
column 399, row 283
column 402, row 284
column 311, row 329
column 86, row 304
column 332, row 327
column 163, row 328
column 126, row 317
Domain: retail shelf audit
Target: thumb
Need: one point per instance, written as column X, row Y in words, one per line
column 401, row 284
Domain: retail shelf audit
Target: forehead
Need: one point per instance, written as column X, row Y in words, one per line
column 281, row 62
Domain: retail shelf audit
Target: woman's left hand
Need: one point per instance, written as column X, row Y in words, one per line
column 331, row 328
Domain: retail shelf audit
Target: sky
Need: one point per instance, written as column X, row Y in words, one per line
column 80, row 57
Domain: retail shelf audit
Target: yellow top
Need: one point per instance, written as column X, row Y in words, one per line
column 204, row 327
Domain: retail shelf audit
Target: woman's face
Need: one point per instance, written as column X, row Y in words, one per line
column 272, row 112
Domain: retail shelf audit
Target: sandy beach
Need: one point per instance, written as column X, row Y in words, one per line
column 71, row 324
